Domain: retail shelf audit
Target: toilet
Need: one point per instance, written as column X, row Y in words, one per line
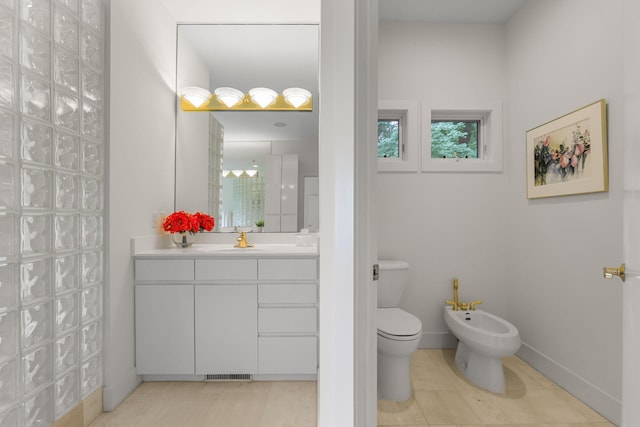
column 399, row 332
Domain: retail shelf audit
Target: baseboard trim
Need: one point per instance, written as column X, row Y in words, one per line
column 84, row 413
column 113, row 396
column 597, row 399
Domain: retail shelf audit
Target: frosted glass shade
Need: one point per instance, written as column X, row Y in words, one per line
column 296, row 96
column 229, row 96
column 263, row 96
column 197, row 96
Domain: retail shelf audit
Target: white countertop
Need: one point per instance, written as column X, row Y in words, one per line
column 227, row 250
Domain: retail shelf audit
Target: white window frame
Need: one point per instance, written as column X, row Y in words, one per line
column 490, row 136
column 409, row 134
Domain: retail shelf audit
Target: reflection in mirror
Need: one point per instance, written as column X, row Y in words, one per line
column 218, row 152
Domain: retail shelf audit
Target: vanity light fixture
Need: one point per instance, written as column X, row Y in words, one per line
column 197, row 96
column 263, row 96
column 296, row 96
column 229, row 96
column 258, row 99
column 240, row 173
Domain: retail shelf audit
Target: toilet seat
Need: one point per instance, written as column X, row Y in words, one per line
column 397, row 324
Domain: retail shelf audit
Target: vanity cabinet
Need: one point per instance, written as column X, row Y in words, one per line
column 164, row 329
column 287, row 316
column 226, row 316
column 210, row 316
column 164, row 317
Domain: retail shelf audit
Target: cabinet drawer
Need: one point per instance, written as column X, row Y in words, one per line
column 227, row 269
column 287, row 320
column 288, row 355
column 288, row 269
column 164, row 269
column 287, row 294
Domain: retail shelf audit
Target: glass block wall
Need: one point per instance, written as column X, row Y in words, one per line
column 216, row 142
column 248, row 200
column 51, row 206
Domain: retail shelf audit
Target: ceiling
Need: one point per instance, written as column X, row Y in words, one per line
column 281, row 56
column 450, row 11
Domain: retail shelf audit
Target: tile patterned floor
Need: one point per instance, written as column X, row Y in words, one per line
column 442, row 397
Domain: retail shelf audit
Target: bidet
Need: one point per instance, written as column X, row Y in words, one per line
column 483, row 339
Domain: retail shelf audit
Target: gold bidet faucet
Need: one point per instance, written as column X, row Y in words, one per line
column 242, row 241
column 456, row 304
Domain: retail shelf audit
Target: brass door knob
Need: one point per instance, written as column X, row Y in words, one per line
column 609, row 272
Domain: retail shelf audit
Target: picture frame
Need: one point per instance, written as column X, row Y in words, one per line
column 568, row 155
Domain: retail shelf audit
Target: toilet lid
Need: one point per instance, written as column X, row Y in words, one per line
column 397, row 322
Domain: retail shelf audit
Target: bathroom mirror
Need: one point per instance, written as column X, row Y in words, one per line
column 240, row 142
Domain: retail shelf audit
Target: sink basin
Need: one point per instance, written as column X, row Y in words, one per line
column 261, row 248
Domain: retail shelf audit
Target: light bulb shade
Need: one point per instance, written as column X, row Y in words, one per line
column 296, row 96
column 197, row 96
column 263, row 96
column 229, row 96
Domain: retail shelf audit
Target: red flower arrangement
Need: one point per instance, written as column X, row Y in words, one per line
column 181, row 221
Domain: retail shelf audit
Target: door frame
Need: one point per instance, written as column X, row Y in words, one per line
column 366, row 291
column 347, row 384
column 631, row 213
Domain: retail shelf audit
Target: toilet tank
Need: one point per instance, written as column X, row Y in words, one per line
column 392, row 281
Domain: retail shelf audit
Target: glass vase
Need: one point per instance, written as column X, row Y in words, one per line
column 184, row 239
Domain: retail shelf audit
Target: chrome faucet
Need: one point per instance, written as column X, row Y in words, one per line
column 242, row 241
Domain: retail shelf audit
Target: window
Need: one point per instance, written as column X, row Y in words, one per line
column 465, row 139
column 455, row 138
column 398, row 136
column 389, row 140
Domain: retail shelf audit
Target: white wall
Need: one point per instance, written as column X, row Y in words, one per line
column 445, row 225
column 141, row 151
column 192, row 131
column 562, row 55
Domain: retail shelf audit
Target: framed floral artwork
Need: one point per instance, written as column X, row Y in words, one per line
column 568, row 155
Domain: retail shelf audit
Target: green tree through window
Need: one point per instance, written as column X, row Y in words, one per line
column 454, row 138
column 389, row 138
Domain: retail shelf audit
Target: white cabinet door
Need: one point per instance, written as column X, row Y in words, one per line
column 226, row 269
column 226, row 329
column 283, row 320
column 163, row 270
column 272, row 192
column 279, row 269
column 289, row 197
column 288, row 355
column 164, row 329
